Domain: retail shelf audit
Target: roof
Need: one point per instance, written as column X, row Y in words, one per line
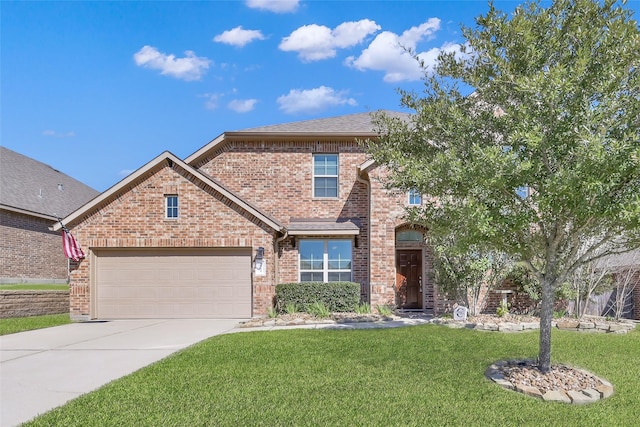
column 350, row 125
column 33, row 187
column 167, row 156
column 626, row 259
column 359, row 123
column 324, row 227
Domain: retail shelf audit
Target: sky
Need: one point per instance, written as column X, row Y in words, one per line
column 96, row 89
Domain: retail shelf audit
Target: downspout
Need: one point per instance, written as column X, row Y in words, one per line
column 368, row 185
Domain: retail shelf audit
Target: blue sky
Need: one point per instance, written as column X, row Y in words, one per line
column 97, row 89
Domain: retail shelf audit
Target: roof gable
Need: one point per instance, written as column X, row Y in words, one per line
column 32, row 186
column 166, row 156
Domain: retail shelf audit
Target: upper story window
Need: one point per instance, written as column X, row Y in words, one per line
column 171, row 206
column 325, row 260
column 415, row 198
column 325, row 175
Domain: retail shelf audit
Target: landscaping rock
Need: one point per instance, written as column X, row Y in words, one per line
column 556, row 396
column 561, row 383
column 579, row 398
column 528, row 390
column 568, row 324
column 604, row 390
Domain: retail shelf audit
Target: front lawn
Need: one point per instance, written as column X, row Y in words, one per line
column 21, row 324
column 411, row 376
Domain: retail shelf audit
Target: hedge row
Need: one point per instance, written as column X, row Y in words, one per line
column 336, row 296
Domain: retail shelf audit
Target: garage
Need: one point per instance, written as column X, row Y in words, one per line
column 172, row 283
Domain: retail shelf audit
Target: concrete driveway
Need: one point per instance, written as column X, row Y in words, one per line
column 43, row 369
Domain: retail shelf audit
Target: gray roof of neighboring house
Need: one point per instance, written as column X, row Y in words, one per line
column 30, row 185
column 350, row 123
column 627, row 259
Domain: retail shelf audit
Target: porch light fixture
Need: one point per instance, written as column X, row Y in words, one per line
column 259, row 253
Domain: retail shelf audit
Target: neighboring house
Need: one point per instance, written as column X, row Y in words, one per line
column 32, row 195
column 211, row 235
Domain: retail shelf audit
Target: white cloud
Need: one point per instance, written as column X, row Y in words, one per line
column 242, row 105
column 211, row 100
column 277, row 6
column 191, row 67
column 387, row 53
column 126, row 172
column 238, row 36
column 313, row 100
column 315, row 42
column 56, row 134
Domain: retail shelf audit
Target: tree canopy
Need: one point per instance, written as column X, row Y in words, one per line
column 527, row 141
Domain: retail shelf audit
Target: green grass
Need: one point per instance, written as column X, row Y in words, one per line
column 21, row 324
column 34, row 287
column 413, row 376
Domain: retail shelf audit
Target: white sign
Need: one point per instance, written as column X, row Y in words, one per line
column 460, row 313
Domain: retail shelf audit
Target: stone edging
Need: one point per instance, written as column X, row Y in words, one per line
column 567, row 325
column 578, row 397
column 346, row 318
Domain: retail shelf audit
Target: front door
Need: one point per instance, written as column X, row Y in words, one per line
column 409, row 278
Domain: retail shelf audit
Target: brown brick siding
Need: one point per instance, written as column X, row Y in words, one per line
column 28, row 250
column 277, row 177
column 135, row 219
column 33, row 303
column 274, row 176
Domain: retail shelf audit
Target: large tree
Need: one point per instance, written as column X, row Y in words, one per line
column 527, row 141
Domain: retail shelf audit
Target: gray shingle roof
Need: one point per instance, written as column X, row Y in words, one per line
column 30, row 185
column 350, row 123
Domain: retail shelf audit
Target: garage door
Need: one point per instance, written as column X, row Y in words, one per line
column 185, row 283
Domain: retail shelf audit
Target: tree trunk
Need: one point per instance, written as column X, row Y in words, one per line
column 546, row 318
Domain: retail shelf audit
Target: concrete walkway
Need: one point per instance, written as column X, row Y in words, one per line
column 43, row 369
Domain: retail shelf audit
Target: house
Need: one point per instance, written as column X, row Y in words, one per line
column 212, row 234
column 32, row 196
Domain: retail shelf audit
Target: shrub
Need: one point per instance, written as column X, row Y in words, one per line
column 503, row 309
column 319, row 310
column 291, row 308
column 363, row 308
column 385, row 310
column 336, row 296
column 272, row 312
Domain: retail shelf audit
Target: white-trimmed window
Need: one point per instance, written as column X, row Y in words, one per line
column 327, row 260
column 171, row 206
column 325, row 175
column 415, row 198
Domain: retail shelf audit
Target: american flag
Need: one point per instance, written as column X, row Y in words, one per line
column 70, row 246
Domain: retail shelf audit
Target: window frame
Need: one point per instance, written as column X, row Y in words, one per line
column 326, row 271
column 170, row 208
column 412, row 195
column 326, row 176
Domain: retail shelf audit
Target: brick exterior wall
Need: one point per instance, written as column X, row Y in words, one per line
column 277, row 178
column 29, row 252
column 135, row 218
column 33, row 303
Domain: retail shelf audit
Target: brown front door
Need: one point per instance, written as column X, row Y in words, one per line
column 409, row 278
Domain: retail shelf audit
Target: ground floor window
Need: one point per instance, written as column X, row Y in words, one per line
column 327, row 260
